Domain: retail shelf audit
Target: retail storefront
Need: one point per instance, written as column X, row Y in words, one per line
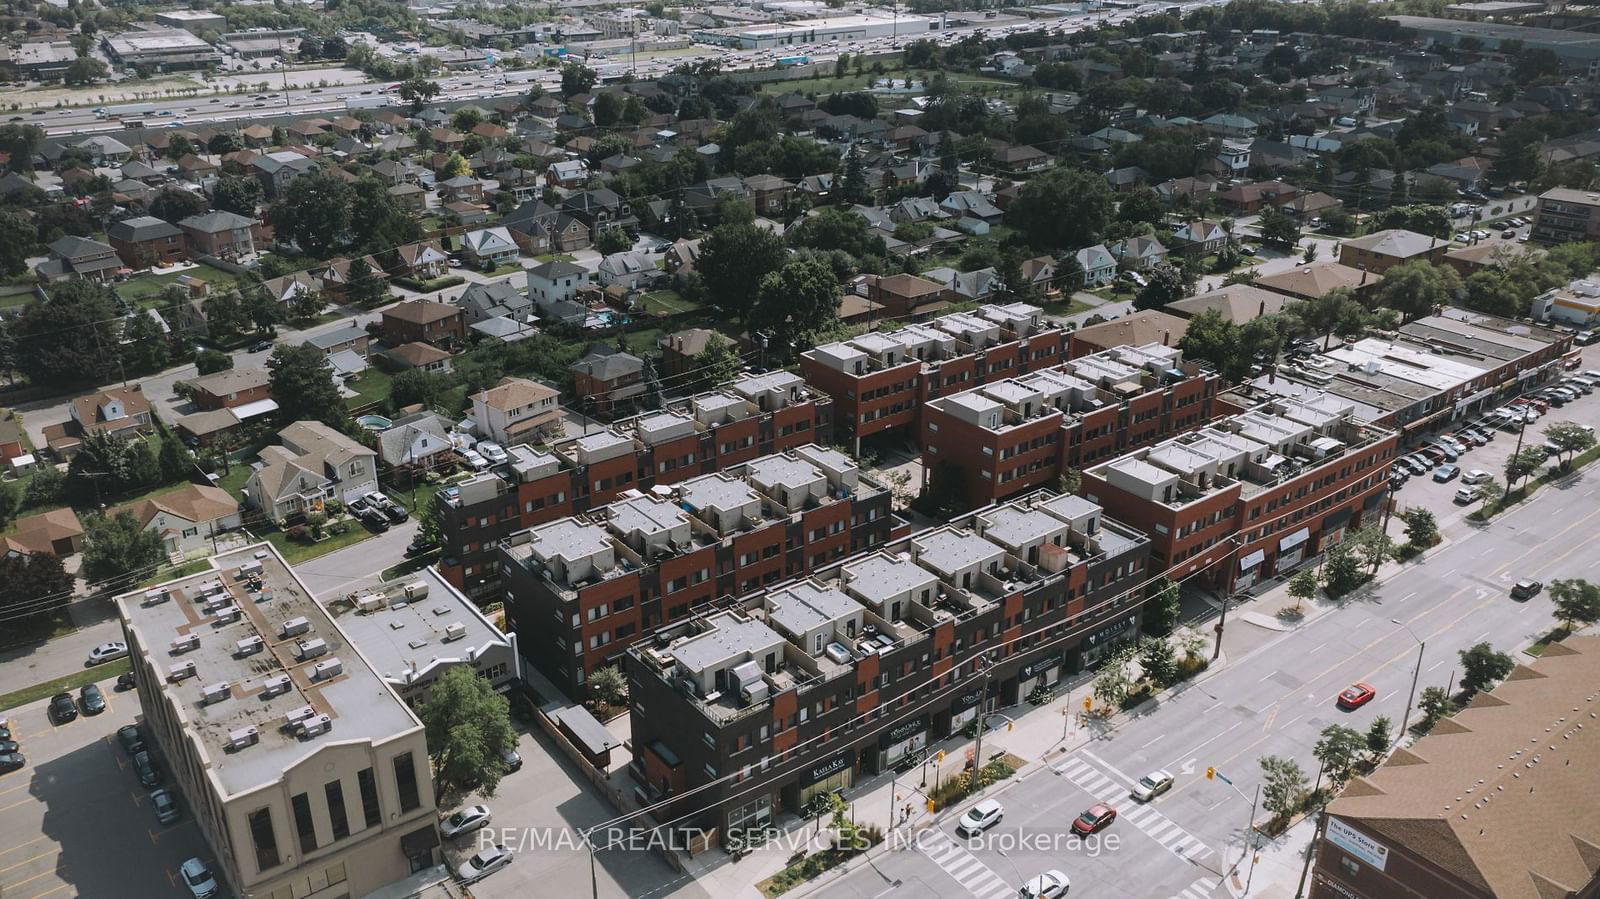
column 964, row 710
column 902, row 741
column 1250, row 569
column 1038, row 673
column 831, row 775
column 754, row 815
column 1105, row 639
column 1334, row 527
column 1292, row 549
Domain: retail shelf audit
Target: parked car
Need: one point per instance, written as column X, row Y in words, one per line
column 165, row 806
column 260, row 346
column 494, row 452
column 1476, row 476
column 11, row 761
column 387, row 507
column 125, row 681
column 1526, row 589
column 1152, row 785
column 1465, row 495
column 980, row 818
column 201, row 882
column 1049, row 885
column 473, row 460
column 1095, row 818
column 419, row 546
column 93, row 701
column 1355, row 696
column 149, row 774
column 106, row 652
column 62, row 708
column 132, row 741
column 483, row 863
column 512, row 760
column 1445, row 473
column 465, row 821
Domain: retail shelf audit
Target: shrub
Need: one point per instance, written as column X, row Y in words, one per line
column 296, row 533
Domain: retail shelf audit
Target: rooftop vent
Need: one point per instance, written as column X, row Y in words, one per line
column 310, row 649
column 295, row 626
column 242, row 737
column 181, row 670
column 371, row 602
column 329, row 669
column 248, row 569
column 319, row 724
column 228, row 613
column 213, row 693
column 300, row 714
column 454, row 631
column 417, row 591
column 273, row 686
column 156, row 595
column 248, row 646
column 185, row 643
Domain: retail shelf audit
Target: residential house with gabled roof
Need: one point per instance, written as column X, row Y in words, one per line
column 79, row 258
column 424, row 356
column 554, row 287
column 123, row 411
column 285, row 288
column 1383, row 250
column 608, row 377
column 482, row 301
column 1309, row 282
column 970, row 204
column 769, row 194
column 219, row 233
column 440, row 324
column 336, row 276
column 1099, row 266
column 188, row 519
column 417, row 440
column 423, row 260
column 539, row 228
column 1022, row 159
column 1138, row 253
column 54, row 533
column 489, row 246
column 681, row 256
column 1199, row 237
column 517, row 410
column 144, row 241
column 1226, row 124
column 600, row 208
column 1311, row 205
column 276, row 170
column 314, row 464
column 628, row 269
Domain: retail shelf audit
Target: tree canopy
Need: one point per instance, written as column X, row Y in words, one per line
column 469, row 728
column 733, row 260
column 302, row 382
column 1040, row 211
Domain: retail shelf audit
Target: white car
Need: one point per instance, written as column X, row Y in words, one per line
column 1476, row 476
column 483, row 863
column 1049, row 885
column 980, row 818
column 106, row 652
column 492, row 451
column 465, row 821
column 1152, row 785
column 201, row 882
column 473, row 460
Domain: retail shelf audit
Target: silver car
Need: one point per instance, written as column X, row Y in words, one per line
column 483, row 863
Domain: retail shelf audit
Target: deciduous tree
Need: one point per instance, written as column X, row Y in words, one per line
column 1577, row 602
column 1039, row 212
column 1415, row 288
column 1283, row 788
column 734, row 260
column 469, row 727
column 71, row 337
column 302, row 382
column 1482, row 667
column 1164, row 608
column 795, row 302
column 118, row 549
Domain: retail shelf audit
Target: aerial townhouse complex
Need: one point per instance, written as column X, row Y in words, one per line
column 749, row 417
column 767, row 699
column 1021, row 433
column 881, row 380
column 1252, row 495
column 579, row 590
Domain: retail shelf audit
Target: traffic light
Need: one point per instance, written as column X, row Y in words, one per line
column 1009, row 725
column 1088, row 703
column 930, row 805
column 937, row 757
column 1211, row 774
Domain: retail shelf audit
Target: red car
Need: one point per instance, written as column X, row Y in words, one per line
column 1356, row 695
column 1098, row 816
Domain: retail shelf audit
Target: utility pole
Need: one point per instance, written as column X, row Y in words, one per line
column 1222, row 622
column 983, row 708
column 1322, row 818
column 1422, row 645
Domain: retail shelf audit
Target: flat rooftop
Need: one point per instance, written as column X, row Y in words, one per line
column 408, row 637
column 1013, row 526
column 947, row 550
column 361, row 705
column 728, row 635
column 646, row 515
column 566, row 538
column 717, row 491
column 805, row 606
column 779, row 470
column 882, row 576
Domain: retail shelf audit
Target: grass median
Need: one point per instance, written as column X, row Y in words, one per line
column 67, row 684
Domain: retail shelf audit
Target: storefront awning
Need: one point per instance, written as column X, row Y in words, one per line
column 1251, row 560
column 420, row 840
column 1294, row 540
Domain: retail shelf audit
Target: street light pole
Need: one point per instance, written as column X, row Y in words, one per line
column 1322, row 817
column 1422, row 646
column 983, row 709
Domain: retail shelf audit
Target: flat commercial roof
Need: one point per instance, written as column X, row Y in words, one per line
column 361, row 705
column 881, row 576
column 782, row 471
column 729, row 636
column 1012, row 526
column 568, row 538
column 948, row 550
column 410, row 636
column 806, row 606
column 717, row 491
column 645, row 515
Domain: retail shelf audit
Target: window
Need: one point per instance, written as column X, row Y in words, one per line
column 369, row 797
column 265, row 841
column 303, row 825
column 334, row 791
column 405, row 781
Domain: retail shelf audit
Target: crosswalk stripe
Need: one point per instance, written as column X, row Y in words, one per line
column 961, row 866
column 1158, row 828
column 999, row 889
column 1139, row 814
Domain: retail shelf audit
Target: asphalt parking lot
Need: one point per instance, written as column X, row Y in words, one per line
column 75, row 821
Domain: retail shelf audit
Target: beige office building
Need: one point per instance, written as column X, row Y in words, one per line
column 307, row 774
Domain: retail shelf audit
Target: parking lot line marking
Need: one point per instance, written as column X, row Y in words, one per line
column 26, row 783
column 55, row 889
column 17, row 803
column 16, row 865
column 22, row 845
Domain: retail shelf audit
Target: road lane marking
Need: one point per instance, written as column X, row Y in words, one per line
column 1153, row 823
column 1110, row 768
column 1271, row 717
column 1196, row 749
column 1156, row 739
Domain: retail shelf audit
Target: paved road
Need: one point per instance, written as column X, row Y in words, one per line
column 1274, row 698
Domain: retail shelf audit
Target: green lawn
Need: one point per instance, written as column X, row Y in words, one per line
column 15, row 301
column 666, row 302
column 505, row 268
column 641, row 343
column 295, row 552
column 145, row 290
column 238, row 472
column 1069, row 306
column 372, row 387
column 173, row 572
column 68, row 684
column 555, row 257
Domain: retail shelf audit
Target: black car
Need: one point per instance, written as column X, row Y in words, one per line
column 132, row 741
column 8, row 746
column 62, row 708
column 419, row 546
column 11, row 761
column 396, row 513
column 5, row 733
column 261, row 346
column 149, row 774
column 374, row 519
column 93, row 701
column 125, row 681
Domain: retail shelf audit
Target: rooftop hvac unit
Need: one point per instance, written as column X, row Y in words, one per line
column 310, row 649
column 295, row 626
column 454, row 631
column 369, row 603
column 328, row 669
column 211, row 693
column 180, row 671
column 210, row 588
column 214, row 603
column 416, row 591
column 242, row 737
column 319, row 724
column 278, row 683
column 248, row 646
column 248, row 569
column 228, row 613
column 303, row 713
column 185, row 643
column 156, row 595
